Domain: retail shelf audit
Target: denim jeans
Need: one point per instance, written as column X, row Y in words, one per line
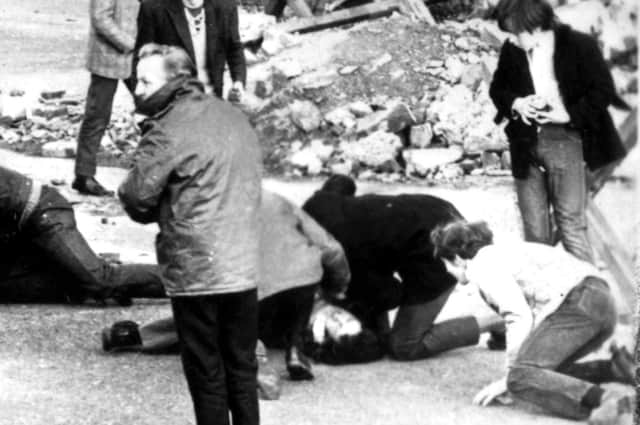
column 545, row 371
column 556, row 185
column 415, row 336
column 97, row 115
column 52, row 262
column 218, row 336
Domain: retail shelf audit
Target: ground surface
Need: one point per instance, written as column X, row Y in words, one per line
column 53, row 372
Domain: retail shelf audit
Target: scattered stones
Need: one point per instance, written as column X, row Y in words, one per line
column 360, row 109
column 455, row 69
column 382, row 60
column 290, row 68
column 10, row 136
column 399, row 118
column 421, row 161
column 374, row 150
column 348, row 70
column 58, row 182
column 473, row 75
column 344, row 168
column 307, row 160
column 371, row 122
column 421, row 135
column 491, row 161
column 462, row 43
column 305, row 115
column 50, row 112
column 341, row 117
column 276, row 40
column 321, row 150
column 60, row 149
column 54, row 94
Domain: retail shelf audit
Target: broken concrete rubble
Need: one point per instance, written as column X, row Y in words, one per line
column 374, row 150
column 60, row 149
column 422, row 161
column 305, row 115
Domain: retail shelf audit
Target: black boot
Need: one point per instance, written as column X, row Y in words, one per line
column 87, row 185
column 298, row 365
column 122, row 336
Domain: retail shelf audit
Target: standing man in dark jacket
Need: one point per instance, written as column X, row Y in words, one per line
column 111, row 42
column 554, row 87
column 206, row 29
column 45, row 259
column 385, row 235
column 197, row 174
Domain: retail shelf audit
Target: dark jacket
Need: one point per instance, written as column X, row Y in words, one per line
column 586, row 88
column 15, row 189
column 382, row 235
column 164, row 22
column 197, row 174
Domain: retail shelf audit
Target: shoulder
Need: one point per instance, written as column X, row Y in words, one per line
column 153, row 6
column 575, row 39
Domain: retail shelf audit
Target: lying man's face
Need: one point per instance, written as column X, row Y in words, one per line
column 152, row 75
column 332, row 322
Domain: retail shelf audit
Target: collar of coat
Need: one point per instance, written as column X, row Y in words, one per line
column 161, row 101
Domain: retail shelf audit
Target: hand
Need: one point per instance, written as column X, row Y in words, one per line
column 490, row 393
column 553, row 116
column 236, row 92
column 457, row 268
column 525, row 107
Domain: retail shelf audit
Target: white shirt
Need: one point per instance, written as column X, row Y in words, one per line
column 542, row 71
column 525, row 282
column 198, row 30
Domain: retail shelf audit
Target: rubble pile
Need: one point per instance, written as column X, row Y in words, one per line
column 49, row 127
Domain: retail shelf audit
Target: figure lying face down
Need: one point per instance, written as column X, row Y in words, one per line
column 47, row 260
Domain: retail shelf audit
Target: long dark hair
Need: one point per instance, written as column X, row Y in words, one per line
column 517, row 16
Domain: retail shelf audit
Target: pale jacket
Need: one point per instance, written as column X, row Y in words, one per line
column 112, row 37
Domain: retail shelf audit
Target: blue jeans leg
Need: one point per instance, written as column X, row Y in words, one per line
column 581, row 324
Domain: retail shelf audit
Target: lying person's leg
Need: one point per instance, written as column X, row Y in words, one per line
column 52, row 229
column 582, row 323
column 415, row 336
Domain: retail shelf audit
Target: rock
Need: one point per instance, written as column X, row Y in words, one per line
column 107, row 142
column 16, row 93
column 505, row 160
column 50, row 112
column 321, row 150
column 371, row 121
column 468, row 165
column 55, row 94
column 495, row 172
column 399, row 118
column 58, row 182
column 462, row 43
column 360, row 109
column 60, row 149
column 296, row 145
column 435, row 63
column 421, row 135
column 9, row 136
column 473, row 58
column 14, row 107
column 373, row 150
column 451, row 172
column 478, row 172
column 250, row 58
column 380, row 61
column 489, row 64
column 490, row 33
column 290, row 68
column 421, row 161
column 341, row 117
column 348, row 70
column 473, row 75
column 491, row 160
column 344, row 168
column 455, row 68
column 306, row 159
column 305, row 115
column 275, row 40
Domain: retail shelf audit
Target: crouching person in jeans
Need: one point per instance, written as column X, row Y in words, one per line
column 557, row 309
column 197, row 174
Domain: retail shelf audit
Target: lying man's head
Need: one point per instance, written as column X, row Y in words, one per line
column 158, row 65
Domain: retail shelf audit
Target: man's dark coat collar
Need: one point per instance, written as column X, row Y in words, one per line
column 161, row 101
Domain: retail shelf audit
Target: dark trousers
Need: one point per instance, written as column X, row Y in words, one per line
column 558, row 190
column 52, row 262
column 415, row 336
column 97, row 115
column 218, row 336
column 545, row 371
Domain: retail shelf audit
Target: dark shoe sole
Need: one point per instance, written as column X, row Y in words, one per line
column 299, row 373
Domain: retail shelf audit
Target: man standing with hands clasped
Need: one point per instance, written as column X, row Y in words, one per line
column 207, row 30
column 197, row 174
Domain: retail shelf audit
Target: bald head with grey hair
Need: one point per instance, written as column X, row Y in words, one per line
column 177, row 62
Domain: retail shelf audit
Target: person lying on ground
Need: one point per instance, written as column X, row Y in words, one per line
column 47, row 260
column 297, row 256
column 387, row 235
column 557, row 309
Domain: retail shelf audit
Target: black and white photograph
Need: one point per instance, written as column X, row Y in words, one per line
column 319, row 212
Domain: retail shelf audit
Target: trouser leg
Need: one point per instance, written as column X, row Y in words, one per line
column 583, row 322
column 135, row 280
column 97, row 114
column 533, row 203
column 415, row 336
column 238, row 333
column 198, row 322
column 159, row 336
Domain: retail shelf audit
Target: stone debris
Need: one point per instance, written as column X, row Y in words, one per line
column 423, row 161
column 421, row 136
column 305, row 115
column 378, row 149
column 60, row 149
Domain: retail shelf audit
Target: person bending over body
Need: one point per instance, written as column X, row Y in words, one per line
column 384, row 235
column 45, row 259
column 557, row 309
column 296, row 255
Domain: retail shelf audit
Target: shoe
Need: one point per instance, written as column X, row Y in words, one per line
column 298, row 365
column 122, row 336
column 623, row 365
column 90, row 186
column 616, row 408
column 498, row 341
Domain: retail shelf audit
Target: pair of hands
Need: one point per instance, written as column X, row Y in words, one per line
column 495, row 391
column 236, row 93
column 532, row 108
